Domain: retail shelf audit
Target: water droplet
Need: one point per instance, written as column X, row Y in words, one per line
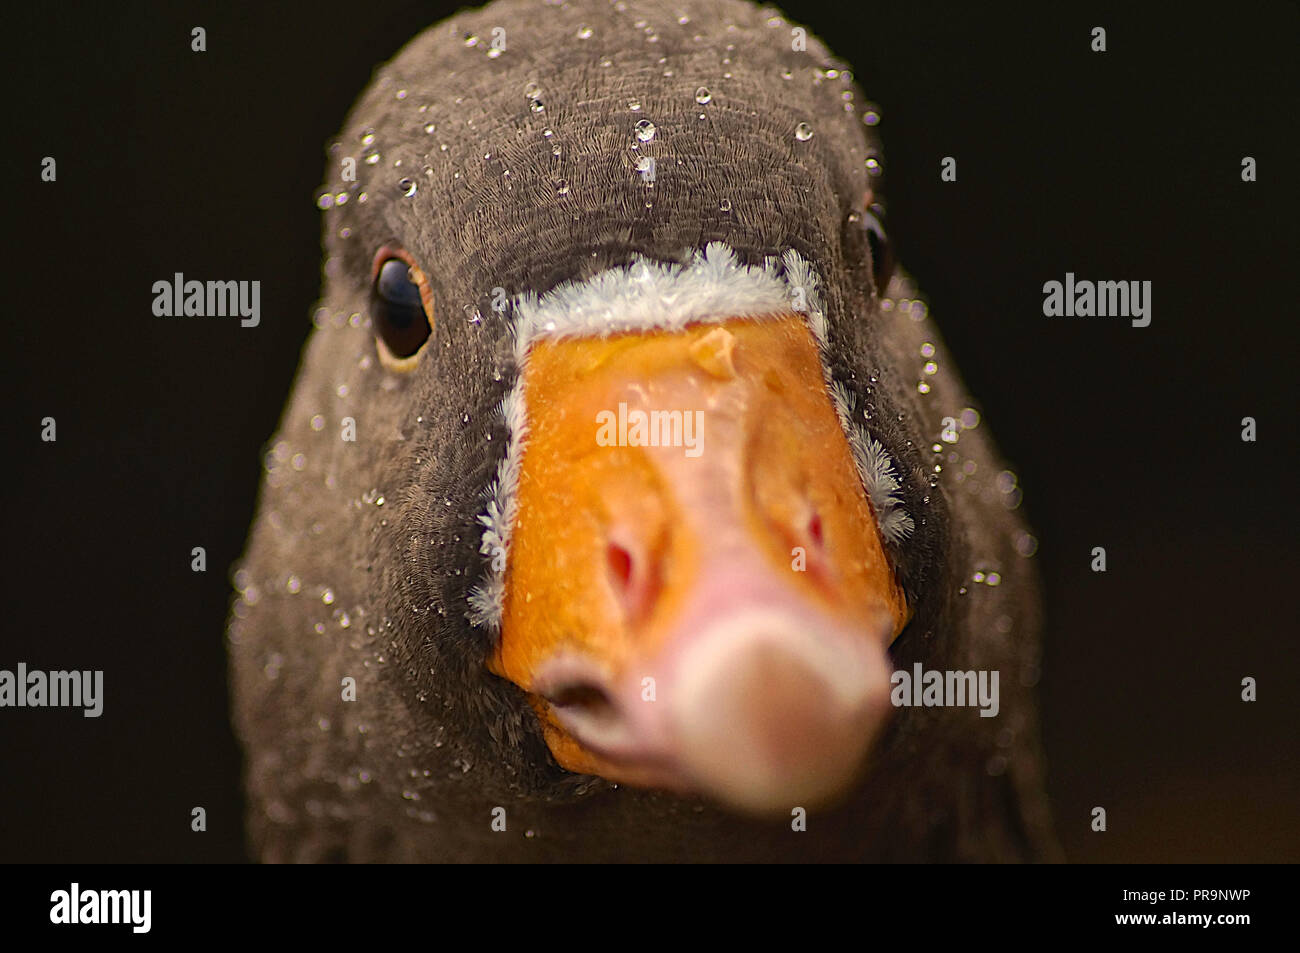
column 368, row 137
column 803, row 132
column 327, row 596
column 372, row 159
column 1026, row 544
column 927, row 349
column 585, row 32
column 634, row 105
column 324, row 200
column 537, row 106
column 533, row 91
column 561, row 186
column 977, row 577
column 493, row 53
column 930, row 367
column 430, row 127
column 724, row 205
column 703, row 96
column 645, row 130
column 873, row 165
column 471, row 39
column 407, row 187
column 401, row 94
column 994, row 579
column 871, row 117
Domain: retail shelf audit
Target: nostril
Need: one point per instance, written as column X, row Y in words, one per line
column 634, row 574
column 815, row 529
column 620, row 564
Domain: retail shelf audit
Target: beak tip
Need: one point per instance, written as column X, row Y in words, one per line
column 777, row 710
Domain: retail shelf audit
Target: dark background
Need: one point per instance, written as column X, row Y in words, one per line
column 1122, row 165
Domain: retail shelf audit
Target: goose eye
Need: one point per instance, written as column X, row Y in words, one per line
column 882, row 254
column 397, row 306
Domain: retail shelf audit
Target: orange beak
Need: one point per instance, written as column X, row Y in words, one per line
column 696, row 594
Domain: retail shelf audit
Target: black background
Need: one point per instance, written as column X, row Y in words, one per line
column 1122, row 165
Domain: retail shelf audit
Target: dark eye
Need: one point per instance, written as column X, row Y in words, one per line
column 882, row 253
column 397, row 307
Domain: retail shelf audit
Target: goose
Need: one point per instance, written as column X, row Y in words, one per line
column 628, row 505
